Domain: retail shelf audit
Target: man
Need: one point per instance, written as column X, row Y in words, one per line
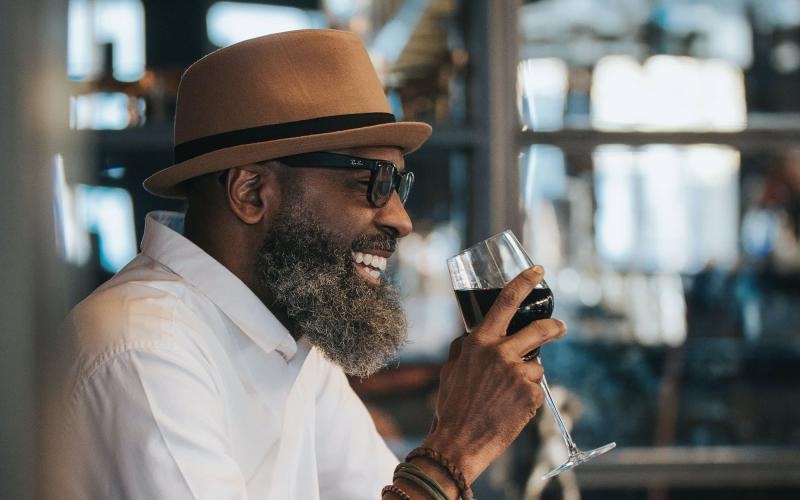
column 213, row 365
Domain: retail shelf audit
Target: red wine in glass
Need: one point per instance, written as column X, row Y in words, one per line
column 475, row 303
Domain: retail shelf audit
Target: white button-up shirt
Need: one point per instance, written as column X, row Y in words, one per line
column 186, row 386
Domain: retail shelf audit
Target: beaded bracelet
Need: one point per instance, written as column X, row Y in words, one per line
column 455, row 473
column 415, row 475
column 390, row 488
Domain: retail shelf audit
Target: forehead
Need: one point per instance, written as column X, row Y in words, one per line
column 391, row 154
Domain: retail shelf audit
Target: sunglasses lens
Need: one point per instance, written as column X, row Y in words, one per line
column 383, row 184
column 406, row 182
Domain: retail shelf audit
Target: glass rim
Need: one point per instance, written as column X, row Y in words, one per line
column 483, row 242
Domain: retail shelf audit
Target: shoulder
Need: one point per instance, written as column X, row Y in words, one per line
column 139, row 309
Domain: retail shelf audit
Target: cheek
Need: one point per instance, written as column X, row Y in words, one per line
column 347, row 222
column 342, row 212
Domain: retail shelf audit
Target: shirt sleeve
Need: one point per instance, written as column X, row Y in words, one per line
column 148, row 424
column 353, row 459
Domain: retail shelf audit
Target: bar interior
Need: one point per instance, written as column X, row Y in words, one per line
column 646, row 153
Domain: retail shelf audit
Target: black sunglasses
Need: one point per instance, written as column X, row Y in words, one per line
column 384, row 177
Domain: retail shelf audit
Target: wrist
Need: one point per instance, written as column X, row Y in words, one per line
column 438, row 474
column 455, row 453
column 452, row 469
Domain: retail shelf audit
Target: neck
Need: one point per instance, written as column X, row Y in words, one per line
column 224, row 246
column 235, row 252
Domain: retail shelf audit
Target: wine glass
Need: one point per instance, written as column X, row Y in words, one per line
column 478, row 274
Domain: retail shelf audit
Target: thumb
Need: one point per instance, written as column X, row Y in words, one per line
column 455, row 348
column 434, row 424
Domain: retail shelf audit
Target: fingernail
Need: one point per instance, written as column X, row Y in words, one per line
column 538, row 269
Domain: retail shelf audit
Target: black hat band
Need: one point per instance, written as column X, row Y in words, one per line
column 323, row 125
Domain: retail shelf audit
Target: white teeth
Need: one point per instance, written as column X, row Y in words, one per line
column 376, row 261
column 374, row 273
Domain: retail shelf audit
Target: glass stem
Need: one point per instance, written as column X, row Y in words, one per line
column 548, row 398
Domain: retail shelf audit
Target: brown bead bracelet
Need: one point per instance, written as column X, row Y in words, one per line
column 390, row 488
column 455, row 473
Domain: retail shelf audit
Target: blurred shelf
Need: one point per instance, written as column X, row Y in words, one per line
column 766, row 132
column 156, row 138
column 697, row 467
column 788, row 345
column 151, row 138
column 453, row 137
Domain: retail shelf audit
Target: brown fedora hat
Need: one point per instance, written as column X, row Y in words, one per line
column 279, row 95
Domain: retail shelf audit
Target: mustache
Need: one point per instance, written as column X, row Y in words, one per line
column 366, row 242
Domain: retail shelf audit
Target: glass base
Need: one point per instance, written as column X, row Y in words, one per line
column 575, row 459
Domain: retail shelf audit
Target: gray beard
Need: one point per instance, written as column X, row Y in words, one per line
column 309, row 273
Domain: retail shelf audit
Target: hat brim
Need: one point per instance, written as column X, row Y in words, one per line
column 408, row 136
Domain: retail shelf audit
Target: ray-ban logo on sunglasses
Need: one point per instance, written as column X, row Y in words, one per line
column 356, row 163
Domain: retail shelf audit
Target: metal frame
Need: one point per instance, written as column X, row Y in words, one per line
column 493, row 46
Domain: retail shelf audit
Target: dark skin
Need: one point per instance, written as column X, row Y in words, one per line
column 230, row 220
column 487, row 393
column 231, row 224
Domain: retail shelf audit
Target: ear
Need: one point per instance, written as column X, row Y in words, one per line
column 253, row 192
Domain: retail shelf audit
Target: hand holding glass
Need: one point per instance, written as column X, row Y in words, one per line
column 478, row 274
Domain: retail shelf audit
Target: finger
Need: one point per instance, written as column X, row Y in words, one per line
column 506, row 304
column 455, row 352
column 532, row 371
column 538, row 398
column 534, row 335
column 455, row 348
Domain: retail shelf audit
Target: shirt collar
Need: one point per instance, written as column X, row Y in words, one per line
column 163, row 242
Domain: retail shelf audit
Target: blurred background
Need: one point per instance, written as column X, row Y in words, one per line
column 647, row 152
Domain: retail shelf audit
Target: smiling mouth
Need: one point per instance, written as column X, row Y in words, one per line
column 370, row 266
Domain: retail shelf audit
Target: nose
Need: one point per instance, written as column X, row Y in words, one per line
column 393, row 217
